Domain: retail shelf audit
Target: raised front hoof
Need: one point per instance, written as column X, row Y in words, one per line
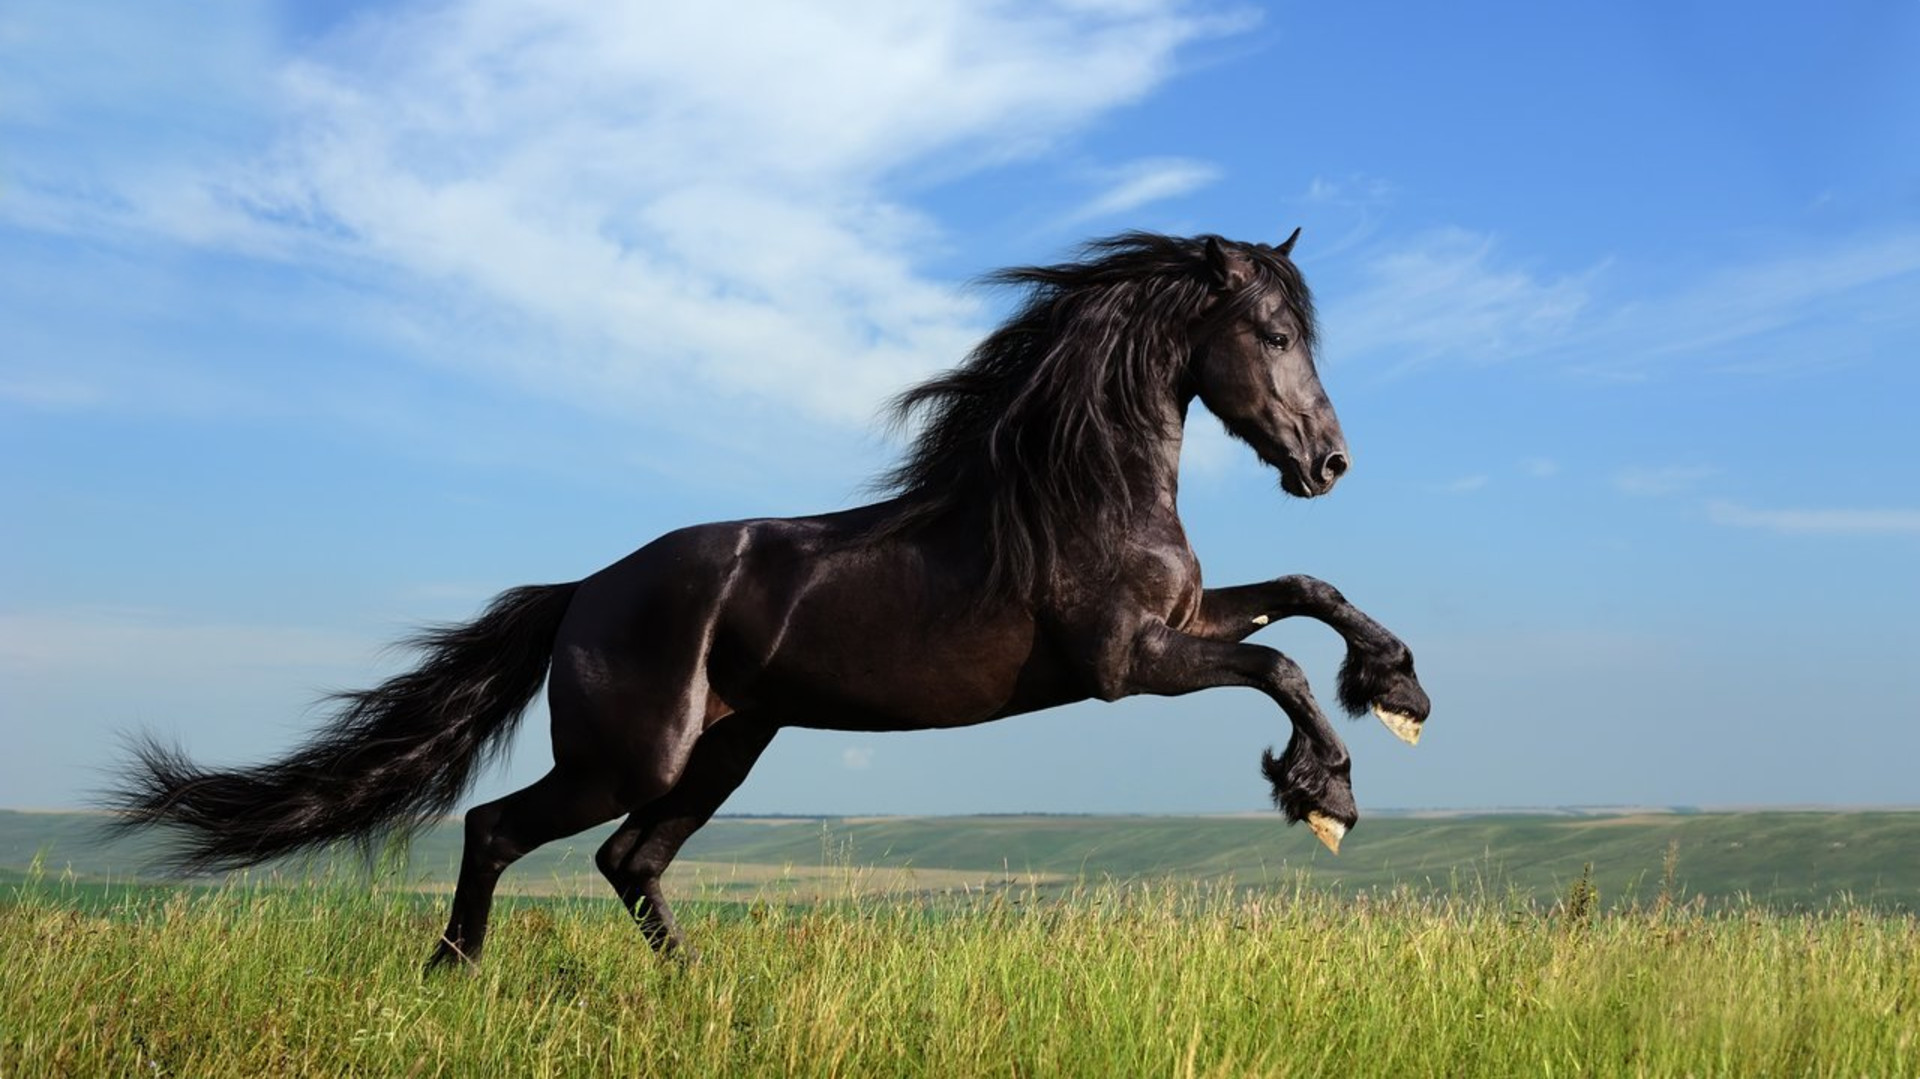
column 1404, row 727
column 1326, row 829
column 1307, row 790
column 1390, row 691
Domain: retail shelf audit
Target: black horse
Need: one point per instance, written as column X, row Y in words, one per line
column 1030, row 555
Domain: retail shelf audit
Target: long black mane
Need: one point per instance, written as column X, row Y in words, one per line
column 1038, row 427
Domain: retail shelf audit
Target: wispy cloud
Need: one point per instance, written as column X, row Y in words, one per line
column 163, row 645
column 604, row 202
column 1796, row 310
column 1343, row 213
column 1457, row 297
column 1355, row 191
column 1662, row 480
column 49, row 392
column 1817, row 521
column 857, row 758
column 1208, row 453
column 1461, row 486
column 1540, row 468
column 1451, row 297
column 1141, row 182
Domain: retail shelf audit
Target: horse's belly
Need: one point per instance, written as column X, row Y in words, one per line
column 829, row 633
column 873, row 661
column 857, row 677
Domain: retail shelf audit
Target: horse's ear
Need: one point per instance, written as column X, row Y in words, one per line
column 1228, row 272
column 1286, row 245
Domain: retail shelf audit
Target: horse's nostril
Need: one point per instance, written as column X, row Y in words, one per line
column 1334, row 466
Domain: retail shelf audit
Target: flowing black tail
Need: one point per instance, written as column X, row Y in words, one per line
column 391, row 759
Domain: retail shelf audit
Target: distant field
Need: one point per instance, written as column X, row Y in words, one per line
column 1783, row 860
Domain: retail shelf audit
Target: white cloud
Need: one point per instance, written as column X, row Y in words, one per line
column 1797, row 310
column 1449, row 297
column 857, row 758
column 1461, row 486
column 1820, row 521
column 613, row 203
column 1207, row 451
column 1540, row 468
column 1151, row 180
column 51, row 393
column 1364, row 192
column 164, row 646
column 1343, row 214
column 1662, row 480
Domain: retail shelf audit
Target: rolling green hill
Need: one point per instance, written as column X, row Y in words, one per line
column 1778, row 858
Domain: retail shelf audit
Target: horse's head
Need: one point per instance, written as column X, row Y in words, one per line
column 1254, row 365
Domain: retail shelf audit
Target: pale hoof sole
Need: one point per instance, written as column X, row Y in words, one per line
column 1329, row 830
column 1404, row 727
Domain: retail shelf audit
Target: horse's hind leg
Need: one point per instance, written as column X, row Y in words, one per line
column 629, row 699
column 558, row 804
column 635, row 856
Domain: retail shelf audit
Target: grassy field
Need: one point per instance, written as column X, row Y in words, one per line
column 1622, row 944
column 1138, row 979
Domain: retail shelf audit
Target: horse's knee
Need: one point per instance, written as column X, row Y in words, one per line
column 1312, row 590
column 1287, row 677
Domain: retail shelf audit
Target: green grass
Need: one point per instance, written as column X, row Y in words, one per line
column 1141, row 979
column 1768, row 943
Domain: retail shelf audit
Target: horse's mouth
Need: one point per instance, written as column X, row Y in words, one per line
column 1293, row 481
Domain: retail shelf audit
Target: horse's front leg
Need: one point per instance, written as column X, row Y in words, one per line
column 1311, row 779
column 1378, row 670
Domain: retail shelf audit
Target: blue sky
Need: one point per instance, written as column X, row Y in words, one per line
column 321, row 321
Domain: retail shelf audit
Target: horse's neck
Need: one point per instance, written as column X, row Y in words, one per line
column 1154, row 480
column 1153, row 477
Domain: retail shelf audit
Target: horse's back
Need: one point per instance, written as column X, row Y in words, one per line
column 819, row 620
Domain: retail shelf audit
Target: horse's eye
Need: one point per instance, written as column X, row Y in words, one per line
column 1276, row 341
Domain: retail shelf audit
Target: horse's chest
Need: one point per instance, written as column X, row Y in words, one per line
column 1181, row 604
column 1185, row 605
column 1169, row 573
